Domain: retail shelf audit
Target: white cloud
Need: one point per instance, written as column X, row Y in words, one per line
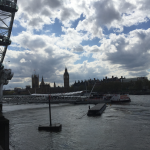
column 22, row 60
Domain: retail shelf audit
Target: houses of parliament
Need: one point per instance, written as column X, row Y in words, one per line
column 44, row 88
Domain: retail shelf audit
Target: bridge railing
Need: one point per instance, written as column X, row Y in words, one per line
column 35, row 99
column 20, row 99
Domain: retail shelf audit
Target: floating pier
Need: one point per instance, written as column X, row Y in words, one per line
column 55, row 127
column 97, row 110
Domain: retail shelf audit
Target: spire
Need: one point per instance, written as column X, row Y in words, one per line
column 66, row 69
column 66, row 78
column 42, row 82
column 66, row 72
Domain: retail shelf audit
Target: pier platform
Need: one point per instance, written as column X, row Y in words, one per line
column 97, row 110
column 55, row 127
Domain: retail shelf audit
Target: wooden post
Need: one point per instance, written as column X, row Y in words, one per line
column 56, row 128
column 50, row 111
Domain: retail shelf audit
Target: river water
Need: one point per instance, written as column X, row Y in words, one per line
column 120, row 127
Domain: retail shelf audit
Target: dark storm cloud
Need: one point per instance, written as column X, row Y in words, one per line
column 53, row 3
column 95, row 49
column 16, row 79
column 32, row 6
column 131, row 56
column 139, row 73
column 35, row 6
column 28, row 42
column 105, row 12
column 141, row 34
column 144, row 4
column 126, row 7
column 35, row 21
column 78, row 48
column 144, row 37
column 67, row 13
column 129, row 60
column 46, row 12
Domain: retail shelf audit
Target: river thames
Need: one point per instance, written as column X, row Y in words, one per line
column 120, row 127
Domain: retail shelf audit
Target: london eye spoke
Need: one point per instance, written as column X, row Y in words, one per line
column 8, row 8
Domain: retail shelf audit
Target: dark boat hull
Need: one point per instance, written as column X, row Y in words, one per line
column 121, row 101
column 97, row 112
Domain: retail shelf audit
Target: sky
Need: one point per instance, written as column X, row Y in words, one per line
column 92, row 38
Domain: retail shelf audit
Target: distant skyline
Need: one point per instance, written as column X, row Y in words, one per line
column 92, row 38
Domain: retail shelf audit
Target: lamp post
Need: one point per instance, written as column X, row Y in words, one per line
column 86, row 88
column 50, row 111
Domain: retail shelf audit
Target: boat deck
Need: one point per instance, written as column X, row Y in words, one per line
column 96, row 110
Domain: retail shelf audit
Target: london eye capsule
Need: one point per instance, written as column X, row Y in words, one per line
column 4, row 41
column 9, row 6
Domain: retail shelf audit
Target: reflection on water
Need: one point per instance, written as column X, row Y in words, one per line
column 121, row 127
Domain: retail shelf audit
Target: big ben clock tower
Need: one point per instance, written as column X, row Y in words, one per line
column 66, row 79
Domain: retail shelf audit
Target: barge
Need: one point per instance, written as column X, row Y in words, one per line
column 97, row 110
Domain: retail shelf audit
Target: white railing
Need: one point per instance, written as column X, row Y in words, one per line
column 20, row 99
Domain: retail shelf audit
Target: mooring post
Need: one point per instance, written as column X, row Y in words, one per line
column 50, row 111
column 57, row 127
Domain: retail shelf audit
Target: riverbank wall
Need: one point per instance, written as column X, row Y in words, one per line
column 4, row 132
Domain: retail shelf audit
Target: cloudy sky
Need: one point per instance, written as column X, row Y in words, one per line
column 92, row 38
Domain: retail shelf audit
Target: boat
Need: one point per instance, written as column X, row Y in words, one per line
column 96, row 96
column 115, row 98
column 97, row 110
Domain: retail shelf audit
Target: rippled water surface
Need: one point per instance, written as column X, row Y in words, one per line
column 120, row 127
